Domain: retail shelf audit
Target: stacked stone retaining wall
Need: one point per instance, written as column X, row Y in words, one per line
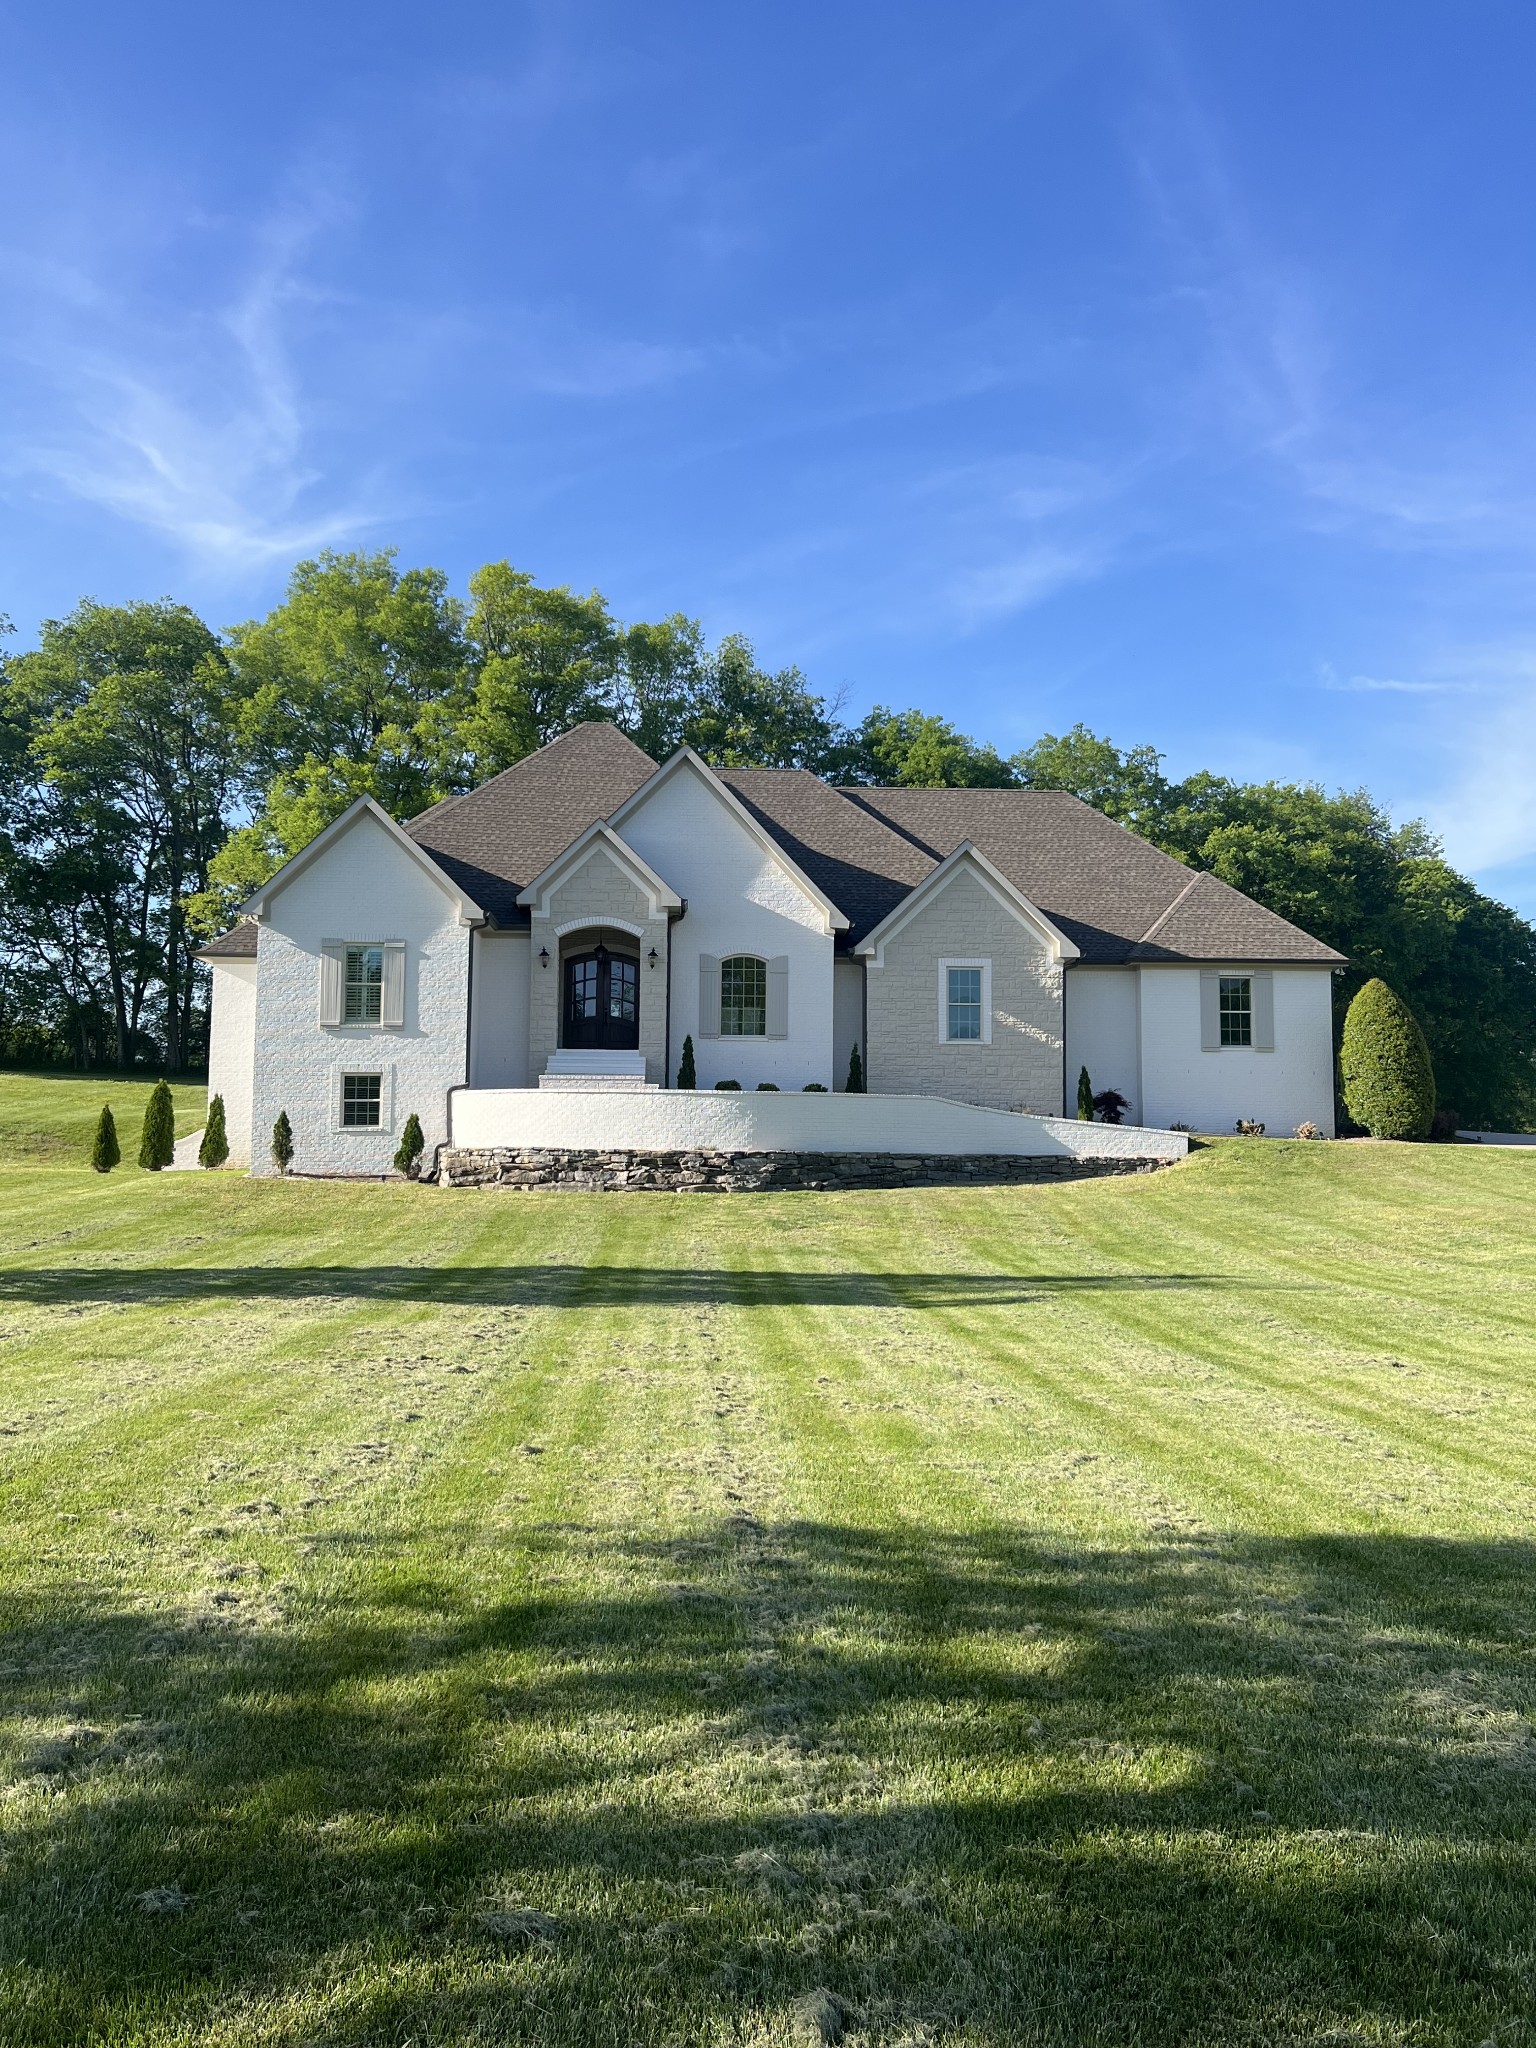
column 716, row 1172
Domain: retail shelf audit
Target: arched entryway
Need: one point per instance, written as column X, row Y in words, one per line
column 600, row 1000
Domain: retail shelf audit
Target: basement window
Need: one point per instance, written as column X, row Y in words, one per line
column 362, row 1097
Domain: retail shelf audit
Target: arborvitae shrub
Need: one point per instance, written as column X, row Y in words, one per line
column 1084, row 1098
column 412, row 1145
column 727, row 1087
column 105, row 1151
column 214, row 1149
column 687, row 1072
column 855, row 1072
column 1389, row 1083
column 282, row 1142
column 157, row 1147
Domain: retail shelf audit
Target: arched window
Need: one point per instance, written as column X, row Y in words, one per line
column 744, row 997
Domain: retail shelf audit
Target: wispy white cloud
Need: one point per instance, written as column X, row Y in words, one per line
column 190, row 423
column 1329, row 679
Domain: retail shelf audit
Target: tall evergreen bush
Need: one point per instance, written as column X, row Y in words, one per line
column 105, row 1150
column 157, row 1146
column 855, row 1072
column 1084, row 1097
column 412, row 1145
column 214, row 1149
column 687, row 1072
column 282, row 1142
column 1384, row 1064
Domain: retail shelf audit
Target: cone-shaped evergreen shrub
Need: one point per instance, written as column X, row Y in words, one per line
column 157, row 1147
column 1389, row 1083
column 855, row 1072
column 214, row 1149
column 105, row 1151
column 412, row 1145
column 1084, row 1097
column 282, row 1142
column 687, row 1072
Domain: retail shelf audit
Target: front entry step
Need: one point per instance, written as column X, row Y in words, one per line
column 601, row 1067
column 612, row 1084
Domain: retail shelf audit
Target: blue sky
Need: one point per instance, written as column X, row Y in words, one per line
column 1166, row 366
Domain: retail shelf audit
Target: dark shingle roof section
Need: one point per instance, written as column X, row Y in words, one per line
column 239, row 943
column 1106, row 888
column 497, row 838
column 1210, row 920
column 855, row 857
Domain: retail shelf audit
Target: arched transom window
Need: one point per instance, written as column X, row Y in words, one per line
column 743, row 997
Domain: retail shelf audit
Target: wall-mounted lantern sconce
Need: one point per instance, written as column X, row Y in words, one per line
column 651, row 957
column 543, row 956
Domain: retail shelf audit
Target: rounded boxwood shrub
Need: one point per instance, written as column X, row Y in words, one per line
column 727, row 1087
column 814, row 1088
column 1384, row 1063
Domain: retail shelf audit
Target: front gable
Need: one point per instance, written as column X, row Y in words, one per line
column 685, row 813
column 599, row 844
column 338, row 842
column 969, row 864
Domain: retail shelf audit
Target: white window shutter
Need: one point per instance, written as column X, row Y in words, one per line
column 778, row 997
column 392, row 998
column 331, row 958
column 709, row 996
column 1210, row 1013
column 1263, row 1001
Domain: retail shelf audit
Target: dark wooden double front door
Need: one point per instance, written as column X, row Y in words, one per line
column 602, row 1003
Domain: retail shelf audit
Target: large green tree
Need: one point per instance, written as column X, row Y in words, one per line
column 918, row 750
column 121, row 754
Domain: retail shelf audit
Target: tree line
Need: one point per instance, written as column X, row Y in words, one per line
column 157, row 771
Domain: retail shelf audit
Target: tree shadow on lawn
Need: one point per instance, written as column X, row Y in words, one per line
column 555, row 1286
column 1199, row 1791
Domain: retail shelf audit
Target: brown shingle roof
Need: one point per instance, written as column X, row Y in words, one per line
column 238, row 943
column 1112, row 893
column 497, row 838
column 860, row 861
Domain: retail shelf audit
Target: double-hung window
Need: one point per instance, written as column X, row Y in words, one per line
column 965, row 1002
column 363, row 987
column 1236, row 1009
column 743, row 997
column 362, row 1102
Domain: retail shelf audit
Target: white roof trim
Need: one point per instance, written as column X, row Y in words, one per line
column 600, row 837
column 255, row 905
column 997, row 884
column 837, row 920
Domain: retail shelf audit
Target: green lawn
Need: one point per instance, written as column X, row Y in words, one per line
column 1097, row 1614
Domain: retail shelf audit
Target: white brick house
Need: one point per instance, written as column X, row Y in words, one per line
column 574, row 920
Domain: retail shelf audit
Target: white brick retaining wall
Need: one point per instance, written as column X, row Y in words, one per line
column 684, row 1120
